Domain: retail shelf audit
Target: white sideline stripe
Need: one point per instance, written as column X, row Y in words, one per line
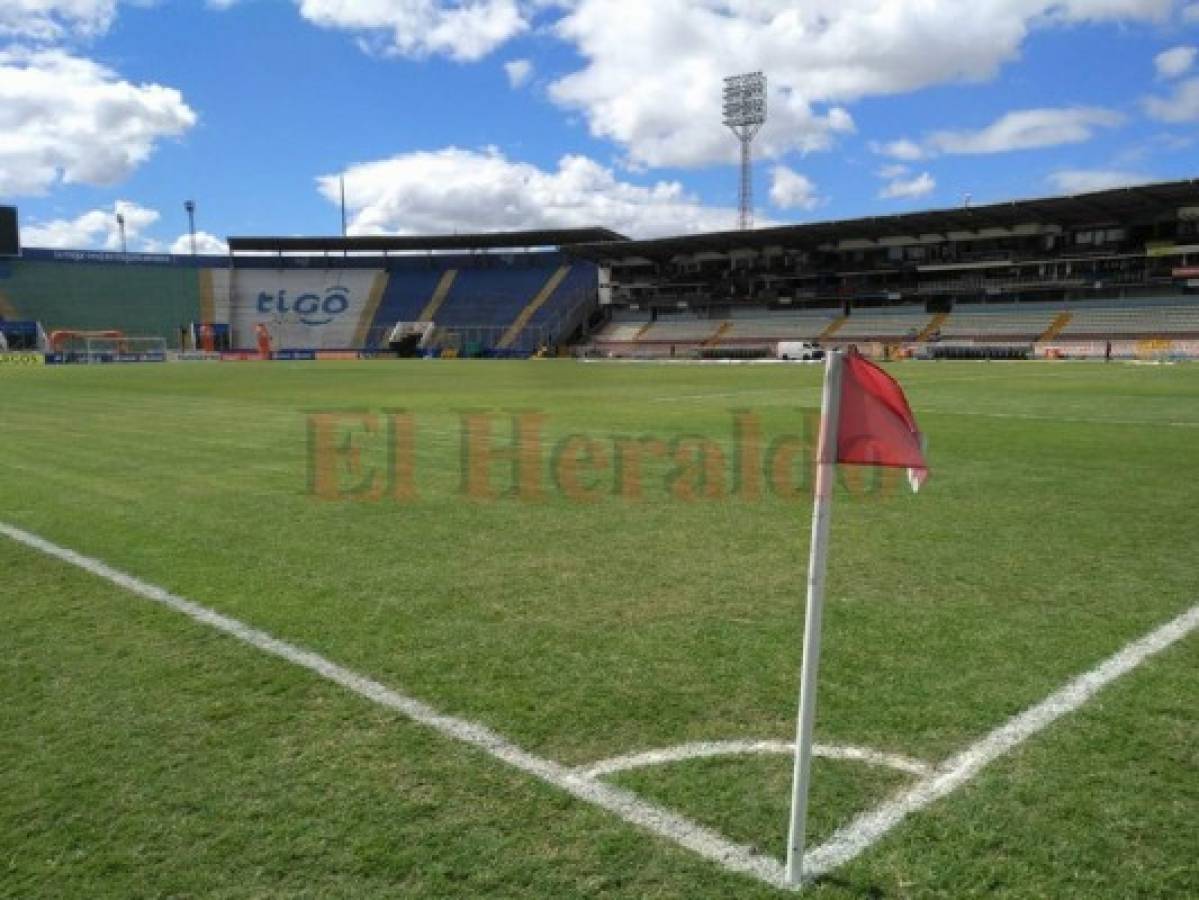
column 623, row 803
column 870, row 827
column 706, row 749
column 1049, row 418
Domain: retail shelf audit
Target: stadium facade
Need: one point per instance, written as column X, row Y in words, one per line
column 1056, row 276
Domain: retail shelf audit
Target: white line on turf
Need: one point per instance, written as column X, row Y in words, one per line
column 844, row 845
column 625, row 804
column 1057, row 419
column 870, row 827
column 706, row 749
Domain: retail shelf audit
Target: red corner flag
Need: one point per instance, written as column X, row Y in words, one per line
column 865, row 421
column 876, row 426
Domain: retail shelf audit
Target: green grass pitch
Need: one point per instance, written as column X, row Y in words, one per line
column 144, row 755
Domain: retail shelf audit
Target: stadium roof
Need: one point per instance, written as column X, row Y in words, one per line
column 559, row 237
column 1110, row 206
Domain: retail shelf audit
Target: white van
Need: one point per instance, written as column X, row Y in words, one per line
column 800, row 350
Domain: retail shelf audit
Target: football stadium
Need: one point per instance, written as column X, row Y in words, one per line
column 477, row 564
column 489, row 495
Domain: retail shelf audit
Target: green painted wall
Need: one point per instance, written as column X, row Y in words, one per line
column 137, row 299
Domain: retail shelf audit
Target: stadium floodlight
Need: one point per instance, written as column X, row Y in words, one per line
column 121, row 228
column 744, row 115
column 190, row 206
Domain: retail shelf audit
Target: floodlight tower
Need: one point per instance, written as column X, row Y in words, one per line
column 121, row 228
column 745, row 114
column 190, row 207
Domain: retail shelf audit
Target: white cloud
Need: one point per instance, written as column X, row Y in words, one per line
column 205, row 244
column 55, row 20
column 909, row 188
column 460, row 29
column 1182, row 105
column 519, row 71
column 893, row 171
column 903, row 148
column 791, row 190
column 652, row 74
column 1026, row 129
column 1021, row 129
column 1080, row 181
column 70, row 120
column 95, row 229
column 1190, row 13
column 1174, row 62
column 448, row 190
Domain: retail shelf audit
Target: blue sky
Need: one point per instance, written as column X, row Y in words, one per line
column 454, row 115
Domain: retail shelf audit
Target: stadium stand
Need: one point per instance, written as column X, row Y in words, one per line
column 1025, row 272
column 1178, row 319
column 64, row 289
column 899, row 323
column 1064, row 273
column 1002, row 322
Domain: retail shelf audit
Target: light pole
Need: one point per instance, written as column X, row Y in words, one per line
column 190, row 206
column 121, row 228
column 744, row 115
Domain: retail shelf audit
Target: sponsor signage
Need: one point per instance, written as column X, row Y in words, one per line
column 292, row 355
column 1186, row 272
column 309, row 309
column 22, row 359
column 338, row 354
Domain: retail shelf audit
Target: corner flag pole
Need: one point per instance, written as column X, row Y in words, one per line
column 826, row 470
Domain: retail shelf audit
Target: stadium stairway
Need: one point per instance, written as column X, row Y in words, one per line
column 833, row 328
column 523, row 317
column 1057, row 327
column 429, row 313
column 934, row 324
column 720, row 332
column 406, row 294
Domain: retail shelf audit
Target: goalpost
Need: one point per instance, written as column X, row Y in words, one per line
column 98, row 349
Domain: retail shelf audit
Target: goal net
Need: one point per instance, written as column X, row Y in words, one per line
column 91, row 349
column 411, row 338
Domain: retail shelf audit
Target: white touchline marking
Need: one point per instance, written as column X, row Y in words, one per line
column 1051, row 418
column 794, row 391
column 705, row 749
column 625, row 804
column 868, row 828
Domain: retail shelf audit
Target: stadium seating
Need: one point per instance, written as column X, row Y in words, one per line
column 681, row 329
column 1133, row 320
column 890, row 324
column 783, row 326
column 407, row 293
column 491, row 297
column 1003, row 322
column 136, row 299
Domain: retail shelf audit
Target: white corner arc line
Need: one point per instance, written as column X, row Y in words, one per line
column 870, row 827
column 707, row 749
column 623, row 803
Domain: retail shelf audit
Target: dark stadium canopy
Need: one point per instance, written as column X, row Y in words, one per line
column 560, row 237
column 1101, row 207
